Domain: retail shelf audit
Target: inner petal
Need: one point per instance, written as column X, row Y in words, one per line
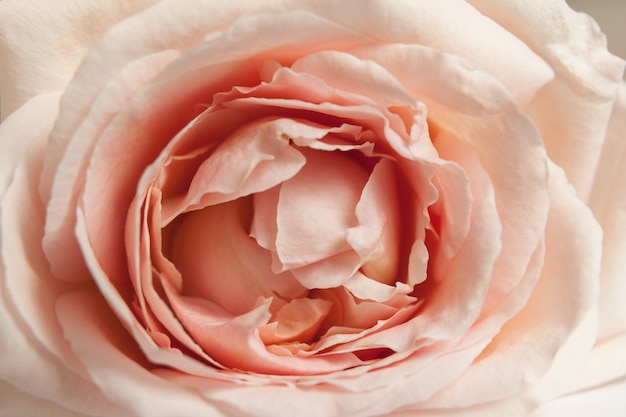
column 377, row 237
column 316, row 208
column 253, row 159
column 220, row 262
column 297, row 321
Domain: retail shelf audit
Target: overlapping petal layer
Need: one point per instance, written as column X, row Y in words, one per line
column 308, row 207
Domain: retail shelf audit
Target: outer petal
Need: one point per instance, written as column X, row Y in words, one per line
column 33, row 354
column 116, row 366
column 17, row 132
column 452, row 27
column 42, row 44
column 573, row 110
column 18, row 403
column 493, row 386
column 608, row 201
column 607, row 401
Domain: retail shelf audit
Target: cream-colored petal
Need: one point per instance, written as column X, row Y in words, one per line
column 17, row 132
column 43, row 43
column 608, row 201
column 573, row 110
column 453, row 27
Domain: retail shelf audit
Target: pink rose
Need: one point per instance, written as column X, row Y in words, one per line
column 308, row 207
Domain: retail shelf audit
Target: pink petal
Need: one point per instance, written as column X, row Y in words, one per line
column 264, row 228
column 114, row 364
column 62, row 179
column 218, row 261
column 122, row 310
column 299, row 320
column 254, row 159
column 316, row 208
column 377, row 237
column 346, row 73
column 608, row 400
column 214, row 65
column 234, row 341
column 329, row 272
column 174, row 170
column 30, row 287
column 563, row 297
column 366, row 288
column 34, row 355
column 297, row 95
column 20, row 125
column 145, row 264
column 355, row 314
column 505, row 141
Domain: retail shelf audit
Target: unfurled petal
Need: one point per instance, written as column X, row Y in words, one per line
column 572, row 110
column 42, row 45
column 377, row 238
column 230, row 269
column 316, row 207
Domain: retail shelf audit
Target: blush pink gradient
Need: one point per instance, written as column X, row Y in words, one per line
column 314, row 204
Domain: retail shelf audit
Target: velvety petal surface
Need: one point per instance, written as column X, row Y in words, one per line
column 33, row 354
column 42, row 45
column 572, row 111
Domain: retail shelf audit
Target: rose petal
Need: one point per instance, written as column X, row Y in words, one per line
column 19, row 126
column 42, row 45
column 346, row 73
column 601, row 366
column 214, row 55
column 572, row 111
column 231, row 270
column 62, row 182
column 302, row 95
column 16, row 402
column 562, row 297
column 377, row 237
column 455, row 28
column 608, row 400
column 33, row 354
column 608, row 201
column 234, row 341
column 121, row 308
column 330, row 272
column 316, row 208
column 143, row 231
column 37, row 372
column 253, row 160
column 510, row 148
column 366, row 288
column 26, row 277
column 299, row 320
column 151, row 133
column 114, row 365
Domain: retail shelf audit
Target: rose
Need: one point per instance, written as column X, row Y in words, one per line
column 455, row 392
column 400, row 232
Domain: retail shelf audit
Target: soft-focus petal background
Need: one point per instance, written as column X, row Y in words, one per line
column 607, row 401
